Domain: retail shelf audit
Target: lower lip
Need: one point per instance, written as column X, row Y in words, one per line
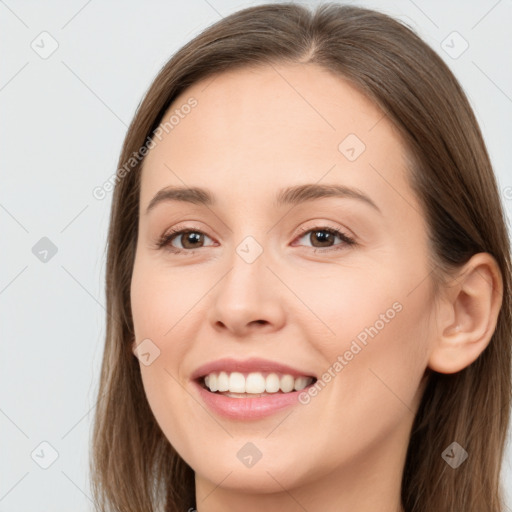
column 248, row 408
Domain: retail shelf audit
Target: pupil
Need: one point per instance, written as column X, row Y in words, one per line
column 323, row 236
column 192, row 237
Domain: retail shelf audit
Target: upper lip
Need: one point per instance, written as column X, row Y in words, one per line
column 254, row 364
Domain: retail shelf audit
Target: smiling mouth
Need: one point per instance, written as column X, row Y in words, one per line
column 253, row 384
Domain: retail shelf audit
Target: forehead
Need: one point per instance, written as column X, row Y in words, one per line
column 266, row 127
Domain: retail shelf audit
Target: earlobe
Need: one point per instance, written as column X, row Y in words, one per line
column 470, row 307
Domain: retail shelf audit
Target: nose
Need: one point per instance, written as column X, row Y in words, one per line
column 248, row 298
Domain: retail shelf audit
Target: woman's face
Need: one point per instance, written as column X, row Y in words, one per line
column 259, row 278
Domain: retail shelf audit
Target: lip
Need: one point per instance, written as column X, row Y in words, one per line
column 247, row 408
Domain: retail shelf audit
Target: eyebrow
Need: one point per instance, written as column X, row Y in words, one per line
column 289, row 196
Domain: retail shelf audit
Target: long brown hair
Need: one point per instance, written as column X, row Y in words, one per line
column 133, row 466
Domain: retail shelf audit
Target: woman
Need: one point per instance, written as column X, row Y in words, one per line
column 308, row 279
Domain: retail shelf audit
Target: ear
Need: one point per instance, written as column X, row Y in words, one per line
column 467, row 314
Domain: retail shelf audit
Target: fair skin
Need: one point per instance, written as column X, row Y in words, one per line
column 254, row 132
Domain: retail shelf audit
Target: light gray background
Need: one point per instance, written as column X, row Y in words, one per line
column 63, row 122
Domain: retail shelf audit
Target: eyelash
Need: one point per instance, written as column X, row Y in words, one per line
column 166, row 239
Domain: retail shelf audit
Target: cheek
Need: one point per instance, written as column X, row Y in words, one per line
column 376, row 354
column 345, row 303
column 384, row 353
column 170, row 406
column 161, row 297
column 371, row 382
column 387, row 305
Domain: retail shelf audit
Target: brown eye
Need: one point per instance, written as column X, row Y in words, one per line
column 325, row 237
column 191, row 239
column 187, row 240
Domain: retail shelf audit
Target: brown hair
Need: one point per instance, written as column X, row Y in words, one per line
column 133, row 466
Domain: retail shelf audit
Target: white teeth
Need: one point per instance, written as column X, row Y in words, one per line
column 287, row 383
column 236, row 383
column 255, row 383
column 223, row 381
column 272, row 383
column 301, row 383
column 212, row 382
